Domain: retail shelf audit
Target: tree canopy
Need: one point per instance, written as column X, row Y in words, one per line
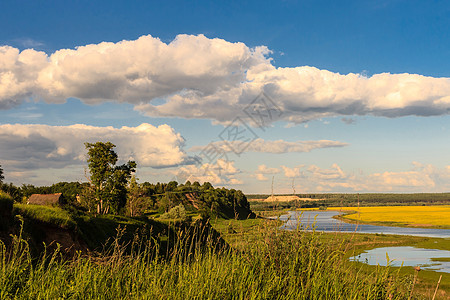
column 109, row 181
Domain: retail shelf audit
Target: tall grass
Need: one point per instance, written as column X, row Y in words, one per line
column 289, row 265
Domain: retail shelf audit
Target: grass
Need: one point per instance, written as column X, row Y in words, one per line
column 249, row 232
column 52, row 215
column 411, row 216
column 279, row 265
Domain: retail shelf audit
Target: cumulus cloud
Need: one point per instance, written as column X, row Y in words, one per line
column 264, row 170
column 199, row 77
column 307, row 93
column 291, row 172
column 132, row 71
column 28, row 147
column 335, row 172
column 222, row 172
column 280, row 146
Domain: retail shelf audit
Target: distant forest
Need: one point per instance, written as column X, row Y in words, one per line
column 341, row 199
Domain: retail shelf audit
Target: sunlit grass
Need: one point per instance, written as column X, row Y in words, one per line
column 53, row 215
column 281, row 265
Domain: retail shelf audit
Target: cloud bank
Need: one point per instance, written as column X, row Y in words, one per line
column 199, row 77
column 312, row 178
column 30, row 147
column 278, row 147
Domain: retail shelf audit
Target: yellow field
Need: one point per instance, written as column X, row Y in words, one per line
column 415, row 216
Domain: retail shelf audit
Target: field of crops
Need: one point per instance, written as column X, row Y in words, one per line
column 420, row 216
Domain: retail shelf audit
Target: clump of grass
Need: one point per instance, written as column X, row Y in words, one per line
column 283, row 265
column 53, row 215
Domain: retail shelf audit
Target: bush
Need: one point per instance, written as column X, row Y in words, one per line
column 6, row 206
column 177, row 212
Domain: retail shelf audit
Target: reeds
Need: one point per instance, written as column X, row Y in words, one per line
column 198, row 265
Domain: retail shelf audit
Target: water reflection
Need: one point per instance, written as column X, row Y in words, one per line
column 427, row 259
column 324, row 221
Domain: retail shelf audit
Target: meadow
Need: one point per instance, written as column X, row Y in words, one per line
column 437, row 216
column 276, row 265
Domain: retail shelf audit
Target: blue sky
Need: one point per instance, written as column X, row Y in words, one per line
column 362, row 85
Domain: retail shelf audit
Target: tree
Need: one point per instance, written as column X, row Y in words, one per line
column 108, row 180
column 138, row 201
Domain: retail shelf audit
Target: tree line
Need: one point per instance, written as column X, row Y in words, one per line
column 114, row 189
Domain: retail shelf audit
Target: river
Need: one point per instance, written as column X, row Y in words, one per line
column 324, row 221
column 428, row 259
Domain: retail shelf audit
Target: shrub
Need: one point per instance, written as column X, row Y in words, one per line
column 177, row 212
column 6, row 203
column 6, row 206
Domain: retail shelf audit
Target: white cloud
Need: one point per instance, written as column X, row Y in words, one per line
column 198, row 77
column 127, row 71
column 421, row 178
column 307, row 93
column 280, row 146
column 264, row 170
column 291, row 172
column 222, row 172
column 31, row 147
column 335, row 172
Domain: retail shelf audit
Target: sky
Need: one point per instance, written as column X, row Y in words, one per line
column 298, row 96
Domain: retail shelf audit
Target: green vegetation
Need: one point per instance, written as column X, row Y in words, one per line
column 118, row 238
column 177, row 212
column 282, row 265
column 6, row 202
column 6, row 206
column 108, row 189
column 69, row 189
column 52, row 215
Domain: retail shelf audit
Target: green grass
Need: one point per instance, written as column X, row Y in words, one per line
column 53, row 215
column 249, row 232
column 443, row 259
column 281, row 265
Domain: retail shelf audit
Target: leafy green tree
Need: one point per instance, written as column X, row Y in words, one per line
column 109, row 181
